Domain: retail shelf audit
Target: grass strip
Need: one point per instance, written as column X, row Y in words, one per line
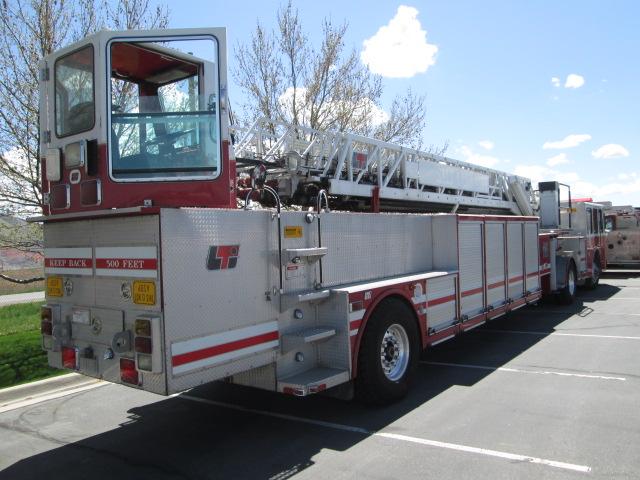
column 21, row 356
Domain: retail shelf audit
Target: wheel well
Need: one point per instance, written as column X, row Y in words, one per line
column 392, row 297
column 401, row 299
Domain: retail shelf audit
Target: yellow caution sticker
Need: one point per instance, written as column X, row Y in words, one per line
column 144, row 293
column 54, row 287
column 291, row 231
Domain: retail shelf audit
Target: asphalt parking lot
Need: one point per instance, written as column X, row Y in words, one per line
column 548, row 392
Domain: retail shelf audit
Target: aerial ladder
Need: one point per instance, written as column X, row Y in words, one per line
column 382, row 175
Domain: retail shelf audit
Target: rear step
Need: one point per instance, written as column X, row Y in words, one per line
column 295, row 340
column 312, row 381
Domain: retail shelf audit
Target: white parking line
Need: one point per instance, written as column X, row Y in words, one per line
column 51, row 395
column 520, row 370
column 591, row 300
column 394, row 436
column 484, row 451
column 581, row 313
column 560, row 334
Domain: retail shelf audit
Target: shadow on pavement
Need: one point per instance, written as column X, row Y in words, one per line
column 176, row 438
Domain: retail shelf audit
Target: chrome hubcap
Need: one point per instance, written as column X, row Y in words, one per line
column 394, row 352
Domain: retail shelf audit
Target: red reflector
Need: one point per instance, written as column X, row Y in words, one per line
column 69, row 357
column 46, row 328
column 143, row 345
column 128, row 372
column 45, row 313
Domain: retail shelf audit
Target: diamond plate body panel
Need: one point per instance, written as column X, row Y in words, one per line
column 110, row 312
column 365, row 247
column 201, row 302
column 445, row 242
column 336, row 352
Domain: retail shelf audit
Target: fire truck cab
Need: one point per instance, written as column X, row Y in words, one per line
column 622, row 224
column 129, row 113
column 577, row 235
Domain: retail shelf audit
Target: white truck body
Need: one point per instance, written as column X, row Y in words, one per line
column 454, row 271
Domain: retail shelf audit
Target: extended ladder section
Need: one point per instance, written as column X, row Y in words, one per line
column 355, row 166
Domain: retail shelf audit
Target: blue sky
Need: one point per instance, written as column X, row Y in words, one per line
column 545, row 89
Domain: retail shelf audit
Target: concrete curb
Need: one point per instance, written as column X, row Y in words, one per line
column 34, row 392
column 6, row 300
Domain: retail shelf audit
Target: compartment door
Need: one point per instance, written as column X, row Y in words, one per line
column 515, row 262
column 470, row 235
column 532, row 264
column 495, row 263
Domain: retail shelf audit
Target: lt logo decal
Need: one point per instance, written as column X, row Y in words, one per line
column 223, row 257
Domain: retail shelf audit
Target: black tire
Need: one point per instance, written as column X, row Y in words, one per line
column 373, row 384
column 568, row 294
column 592, row 282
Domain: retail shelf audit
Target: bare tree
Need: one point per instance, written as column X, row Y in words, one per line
column 287, row 78
column 30, row 30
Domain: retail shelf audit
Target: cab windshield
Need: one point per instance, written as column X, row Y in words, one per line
column 164, row 113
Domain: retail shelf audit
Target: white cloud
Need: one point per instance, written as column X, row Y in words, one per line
column 540, row 173
column 477, row 158
column 616, row 192
column 555, row 81
column 486, row 144
column 632, row 185
column 365, row 110
column 626, row 176
column 610, row 150
column 558, row 160
column 399, row 49
column 574, row 81
column 569, row 141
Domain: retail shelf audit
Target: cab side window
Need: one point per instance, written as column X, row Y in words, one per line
column 74, row 92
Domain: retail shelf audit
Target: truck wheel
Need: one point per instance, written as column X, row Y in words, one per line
column 568, row 293
column 389, row 353
column 593, row 282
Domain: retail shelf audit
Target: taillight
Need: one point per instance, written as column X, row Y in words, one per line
column 142, row 327
column 144, row 331
column 46, row 328
column 46, row 325
column 45, row 313
column 69, row 357
column 128, row 372
column 145, row 362
column 143, row 344
column 147, row 344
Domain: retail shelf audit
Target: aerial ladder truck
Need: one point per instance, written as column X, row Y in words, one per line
column 181, row 249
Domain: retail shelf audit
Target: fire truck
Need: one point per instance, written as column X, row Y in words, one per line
column 622, row 224
column 182, row 249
